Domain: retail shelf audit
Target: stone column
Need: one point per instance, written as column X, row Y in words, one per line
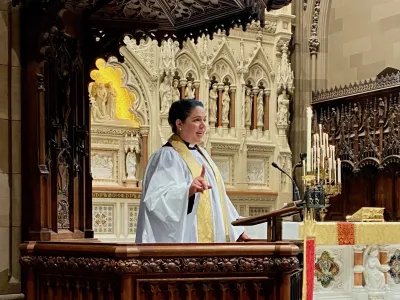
column 144, row 132
column 232, row 110
column 254, row 109
column 182, row 84
column 197, row 89
column 266, row 109
column 383, row 258
column 358, row 268
column 219, row 112
column 10, row 152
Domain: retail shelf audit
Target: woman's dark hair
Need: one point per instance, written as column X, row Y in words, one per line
column 180, row 110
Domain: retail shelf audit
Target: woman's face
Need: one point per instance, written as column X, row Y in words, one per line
column 194, row 127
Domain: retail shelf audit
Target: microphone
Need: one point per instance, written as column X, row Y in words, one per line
column 296, row 189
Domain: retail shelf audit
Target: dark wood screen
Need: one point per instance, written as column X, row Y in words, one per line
column 363, row 122
column 55, row 128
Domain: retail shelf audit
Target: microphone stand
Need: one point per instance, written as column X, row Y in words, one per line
column 296, row 188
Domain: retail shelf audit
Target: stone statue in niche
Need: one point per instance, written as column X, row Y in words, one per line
column 111, row 100
column 260, row 108
column 225, row 104
column 165, row 95
column 168, row 52
column 282, row 117
column 176, row 95
column 131, row 162
column 103, row 101
column 189, row 92
column 373, row 273
column 248, row 106
column 101, row 98
column 213, row 96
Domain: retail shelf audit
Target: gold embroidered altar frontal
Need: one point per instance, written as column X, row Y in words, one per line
column 361, row 233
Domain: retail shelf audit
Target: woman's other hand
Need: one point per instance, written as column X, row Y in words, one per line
column 199, row 184
column 244, row 237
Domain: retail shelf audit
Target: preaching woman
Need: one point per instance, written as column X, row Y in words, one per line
column 184, row 198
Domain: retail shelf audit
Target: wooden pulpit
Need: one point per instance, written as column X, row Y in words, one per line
column 273, row 220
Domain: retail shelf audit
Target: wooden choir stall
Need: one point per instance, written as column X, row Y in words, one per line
column 362, row 122
column 60, row 257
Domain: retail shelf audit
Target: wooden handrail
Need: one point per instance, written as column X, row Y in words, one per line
column 127, row 250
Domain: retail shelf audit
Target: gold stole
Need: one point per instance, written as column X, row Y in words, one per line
column 204, row 211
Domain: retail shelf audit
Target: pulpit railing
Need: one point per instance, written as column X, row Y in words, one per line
column 92, row 270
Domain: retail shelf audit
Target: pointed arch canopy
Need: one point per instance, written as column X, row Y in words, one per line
column 260, row 69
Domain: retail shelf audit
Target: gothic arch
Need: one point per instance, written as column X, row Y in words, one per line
column 260, row 69
column 224, row 65
column 186, row 64
column 131, row 81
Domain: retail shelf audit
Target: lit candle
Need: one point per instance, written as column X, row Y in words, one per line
column 327, row 144
column 318, row 163
column 320, row 134
column 309, row 120
column 315, row 140
column 334, row 164
column 314, row 159
column 339, row 173
column 330, row 163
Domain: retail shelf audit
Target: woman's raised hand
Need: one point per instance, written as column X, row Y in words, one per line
column 199, row 184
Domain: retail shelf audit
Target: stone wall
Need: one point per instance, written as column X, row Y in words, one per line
column 363, row 38
column 10, row 152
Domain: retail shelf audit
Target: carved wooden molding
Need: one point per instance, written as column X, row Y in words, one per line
column 352, row 89
column 182, row 20
column 362, row 121
column 165, row 265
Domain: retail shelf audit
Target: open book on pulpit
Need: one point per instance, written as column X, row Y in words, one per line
column 272, row 219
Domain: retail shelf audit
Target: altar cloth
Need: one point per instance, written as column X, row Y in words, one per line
column 357, row 233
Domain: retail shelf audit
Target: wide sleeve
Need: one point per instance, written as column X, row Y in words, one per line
column 165, row 196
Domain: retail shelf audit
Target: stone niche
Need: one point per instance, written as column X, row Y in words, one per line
column 245, row 82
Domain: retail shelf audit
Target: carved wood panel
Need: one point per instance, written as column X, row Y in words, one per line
column 213, row 288
column 363, row 122
column 92, row 270
column 55, row 130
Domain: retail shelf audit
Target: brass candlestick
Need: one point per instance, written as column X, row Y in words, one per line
column 319, row 192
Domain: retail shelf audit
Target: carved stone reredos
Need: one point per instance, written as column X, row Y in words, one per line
column 238, row 60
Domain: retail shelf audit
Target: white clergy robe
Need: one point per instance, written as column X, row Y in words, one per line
column 165, row 215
